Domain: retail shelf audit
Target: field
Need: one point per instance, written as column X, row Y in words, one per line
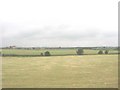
column 52, row 51
column 87, row 71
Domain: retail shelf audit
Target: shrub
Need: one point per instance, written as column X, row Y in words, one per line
column 47, row 53
column 41, row 54
column 100, row 52
column 80, row 51
column 106, row 51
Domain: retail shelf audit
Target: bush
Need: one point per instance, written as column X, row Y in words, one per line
column 106, row 51
column 0, row 54
column 80, row 51
column 100, row 52
column 41, row 54
column 47, row 53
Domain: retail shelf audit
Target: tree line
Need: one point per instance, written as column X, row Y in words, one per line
column 80, row 51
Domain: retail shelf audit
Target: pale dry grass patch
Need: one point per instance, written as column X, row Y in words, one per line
column 89, row 71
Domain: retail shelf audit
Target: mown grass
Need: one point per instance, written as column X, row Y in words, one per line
column 90, row 71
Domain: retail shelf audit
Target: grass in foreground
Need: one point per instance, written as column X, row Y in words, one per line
column 100, row 71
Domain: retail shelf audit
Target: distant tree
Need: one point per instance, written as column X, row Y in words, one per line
column 80, row 51
column 47, row 53
column 33, row 48
column 41, row 54
column 106, row 51
column 100, row 52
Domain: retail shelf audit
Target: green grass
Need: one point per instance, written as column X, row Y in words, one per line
column 38, row 52
column 52, row 51
column 90, row 71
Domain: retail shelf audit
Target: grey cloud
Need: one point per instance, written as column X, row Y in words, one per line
column 111, row 34
column 56, row 34
column 59, row 33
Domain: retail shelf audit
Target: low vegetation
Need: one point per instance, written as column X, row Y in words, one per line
column 47, row 53
column 84, row 71
column 80, row 51
column 94, row 69
column 100, row 52
column 106, row 51
column 54, row 52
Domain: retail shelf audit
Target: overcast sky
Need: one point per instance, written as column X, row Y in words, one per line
column 56, row 23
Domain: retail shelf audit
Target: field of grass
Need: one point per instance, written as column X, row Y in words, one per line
column 52, row 51
column 89, row 71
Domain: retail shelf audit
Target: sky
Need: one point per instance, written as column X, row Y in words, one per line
column 54, row 23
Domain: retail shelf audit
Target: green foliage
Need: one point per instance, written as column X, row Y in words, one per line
column 80, row 51
column 106, row 51
column 47, row 53
column 52, row 51
column 41, row 54
column 100, row 52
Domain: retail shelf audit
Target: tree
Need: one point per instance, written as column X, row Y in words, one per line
column 106, row 51
column 47, row 53
column 100, row 52
column 80, row 51
column 41, row 54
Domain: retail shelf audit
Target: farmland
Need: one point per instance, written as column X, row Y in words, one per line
column 91, row 71
column 52, row 51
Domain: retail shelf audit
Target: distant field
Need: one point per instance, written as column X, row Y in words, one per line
column 89, row 71
column 52, row 51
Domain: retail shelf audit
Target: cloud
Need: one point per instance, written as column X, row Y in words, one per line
column 63, row 22
column 50, row 35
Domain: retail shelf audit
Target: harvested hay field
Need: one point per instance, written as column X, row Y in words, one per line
column 89, row 71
